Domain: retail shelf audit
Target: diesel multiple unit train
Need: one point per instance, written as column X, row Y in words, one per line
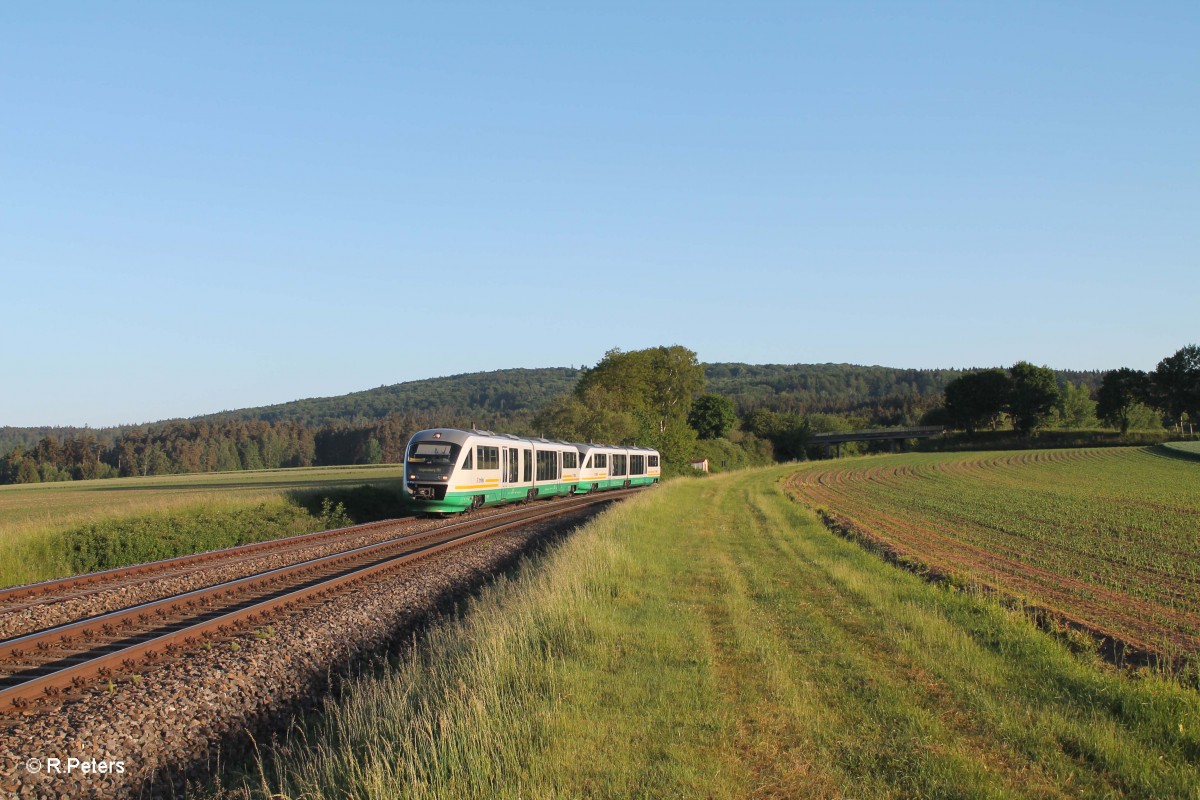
column 449, row 470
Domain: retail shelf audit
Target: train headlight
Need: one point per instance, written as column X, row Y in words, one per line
column 412, row 477
column 445, row 478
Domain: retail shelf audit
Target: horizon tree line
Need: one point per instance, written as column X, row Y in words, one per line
column 1029, row 396
column 655, row 397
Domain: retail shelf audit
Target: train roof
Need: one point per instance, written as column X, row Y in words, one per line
column 444, row 434
column 632, row 447
column 460, row 437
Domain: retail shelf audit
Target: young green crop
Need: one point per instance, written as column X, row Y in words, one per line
column 1105, row 538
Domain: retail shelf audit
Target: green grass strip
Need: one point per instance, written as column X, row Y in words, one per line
column 712, row 639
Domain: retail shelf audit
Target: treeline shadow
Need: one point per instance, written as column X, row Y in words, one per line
column 1165, row 451
column 363, row 503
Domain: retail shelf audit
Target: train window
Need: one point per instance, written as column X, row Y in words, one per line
column 547, row 465
column 652, row 460
column 488, row 457
column 528, row 466
column 618, row 467
column 469, row 461
column 431, row 460
column 433, row 453
column 570, row 460
column 513, row 466
column 601, row 460
column 637, row 465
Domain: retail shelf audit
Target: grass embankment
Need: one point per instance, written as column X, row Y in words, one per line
column 713, row 639
column 56, row 529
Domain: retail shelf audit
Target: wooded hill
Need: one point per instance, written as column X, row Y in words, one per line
column 507, row 398
column 492, row 398
column 373, row 425
column 886, row 395
column 488, row 394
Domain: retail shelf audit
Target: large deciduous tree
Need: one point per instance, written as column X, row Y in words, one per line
column 656, row 386
column 978, row 399
column 1175, row 384
column 1033, row 397
column 596, row 415
column 1121, row 390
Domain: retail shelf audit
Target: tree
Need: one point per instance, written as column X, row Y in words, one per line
column 27, row 471
column 596, row 416
column 249, row 455
column 155, row 461
column 227, row 456
column 1175, row 385
column 978, row 398
column 1121, row 390
column 48, row 451
column 656, row 386
column 788, row 433
column 1034, row 395
column 1076, row 408
column 676, row 377
column 712, row 416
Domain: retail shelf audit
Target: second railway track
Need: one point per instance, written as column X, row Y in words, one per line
column 48, row 664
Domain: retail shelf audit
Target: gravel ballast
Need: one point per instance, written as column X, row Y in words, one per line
column 143, row 735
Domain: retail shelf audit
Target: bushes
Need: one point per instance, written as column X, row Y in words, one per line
column 726, row 454
column 121, row 541
column 131, row 540
column 360, row 504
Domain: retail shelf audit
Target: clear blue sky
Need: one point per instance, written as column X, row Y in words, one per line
column 207, row 206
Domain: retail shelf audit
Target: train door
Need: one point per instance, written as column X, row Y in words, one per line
column 514, row 466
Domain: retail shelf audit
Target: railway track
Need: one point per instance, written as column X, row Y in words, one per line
column 18, row 598
column 28, row 608
column 48, row 665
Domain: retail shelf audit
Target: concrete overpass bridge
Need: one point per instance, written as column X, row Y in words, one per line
column 831, row 440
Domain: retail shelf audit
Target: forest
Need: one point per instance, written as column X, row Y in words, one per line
column 735, row 413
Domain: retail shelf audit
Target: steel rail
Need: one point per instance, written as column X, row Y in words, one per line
column 45, row 638
column 53, row 683
column 60, row 589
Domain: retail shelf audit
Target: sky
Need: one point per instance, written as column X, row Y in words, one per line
column 215, row 205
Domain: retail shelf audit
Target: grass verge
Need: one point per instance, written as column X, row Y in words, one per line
column 713, row 639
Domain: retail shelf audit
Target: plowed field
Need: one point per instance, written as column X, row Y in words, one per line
column 1106, row 538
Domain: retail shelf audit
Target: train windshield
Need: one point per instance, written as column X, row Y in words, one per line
column 436, row 456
